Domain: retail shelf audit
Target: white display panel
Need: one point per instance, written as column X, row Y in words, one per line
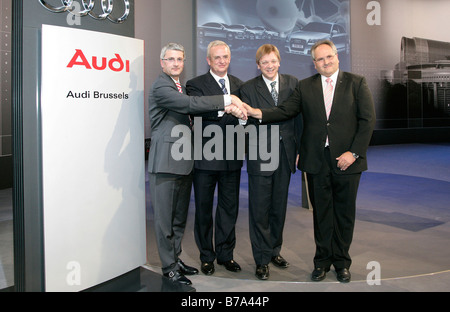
column 92, row 108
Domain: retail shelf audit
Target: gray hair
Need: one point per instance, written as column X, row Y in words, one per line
column 171, row 46
column 320, row 42
column 214, row 44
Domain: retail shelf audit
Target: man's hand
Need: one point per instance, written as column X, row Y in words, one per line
column 239, row 104
column 253, row 112
column 235, row 111
column 345, row 161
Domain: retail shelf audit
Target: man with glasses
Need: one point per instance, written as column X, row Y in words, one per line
column 338, row 119
column 268, row 189
column 223, row 172
column 170, row 178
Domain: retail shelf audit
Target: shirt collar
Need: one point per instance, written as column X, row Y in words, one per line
column 268, row 82
column 333, row 77
column 176, row 81
column 216, row 77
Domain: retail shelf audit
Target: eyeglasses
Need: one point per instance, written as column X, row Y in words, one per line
column 328, row 58
column 266, row 63
column 173, row 60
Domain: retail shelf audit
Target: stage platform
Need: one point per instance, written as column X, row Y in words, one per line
column 403, row 224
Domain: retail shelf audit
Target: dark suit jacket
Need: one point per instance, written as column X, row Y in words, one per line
column 255, row 93
column 207, row 85
column 169, row 108
column 349, row 127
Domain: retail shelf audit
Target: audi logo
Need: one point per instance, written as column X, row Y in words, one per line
column 88, row 9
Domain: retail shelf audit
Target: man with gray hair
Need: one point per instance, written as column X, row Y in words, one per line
column 223, row 172
column 170, row 178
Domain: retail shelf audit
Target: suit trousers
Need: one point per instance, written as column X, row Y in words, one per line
column 223, row 229
column 333, row 198
column 268, row 196
column 170, row 196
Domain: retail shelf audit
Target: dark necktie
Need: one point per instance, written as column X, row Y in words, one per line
column 274, row 92
column 224, row 88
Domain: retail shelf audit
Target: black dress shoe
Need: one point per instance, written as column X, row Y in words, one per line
column 207, row 268
column 280, row 262
column 177, row 276
column 343, row 275
column 231, row 265
column 262, row 271
column 185, row 269
column 319, row 274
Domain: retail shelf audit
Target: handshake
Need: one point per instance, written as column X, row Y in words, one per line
column 240, row 109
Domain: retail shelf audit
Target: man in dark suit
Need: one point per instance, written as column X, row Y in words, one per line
column 268, row 188
column 170, row 176
column 223, row 172
column 332, row 153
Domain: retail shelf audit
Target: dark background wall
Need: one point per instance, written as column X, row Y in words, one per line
column 375, row 52
column 5, row 95
column 28, row 18
column 374, row 48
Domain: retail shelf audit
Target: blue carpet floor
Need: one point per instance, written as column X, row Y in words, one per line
column 403, row 214
column 402, row 223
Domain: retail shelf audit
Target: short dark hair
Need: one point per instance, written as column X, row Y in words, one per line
column 318, row 43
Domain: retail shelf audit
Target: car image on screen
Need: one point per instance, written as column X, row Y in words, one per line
column 300, row 42
column 231, row 34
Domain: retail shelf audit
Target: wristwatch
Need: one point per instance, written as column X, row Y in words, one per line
column 355, row 155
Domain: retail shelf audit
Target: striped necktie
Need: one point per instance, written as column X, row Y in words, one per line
column 224, row 88
column 179, row 87
column 328, row 99
column 274, row 92
column 328, row 96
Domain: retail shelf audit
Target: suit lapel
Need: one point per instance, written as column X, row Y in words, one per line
column 173, row 84
column 316, row 88
column 211, row 85
column 283, row 90
column 264, row 92
column 233, row 85
column 338, row 92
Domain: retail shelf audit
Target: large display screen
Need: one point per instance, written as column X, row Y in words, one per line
column 292, row 25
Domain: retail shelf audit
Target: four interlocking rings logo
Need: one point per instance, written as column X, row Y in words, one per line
column 88, row 9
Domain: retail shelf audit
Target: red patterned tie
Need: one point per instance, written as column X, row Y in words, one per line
column 179, row 87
